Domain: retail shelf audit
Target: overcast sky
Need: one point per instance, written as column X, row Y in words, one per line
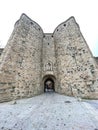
column 49, row 14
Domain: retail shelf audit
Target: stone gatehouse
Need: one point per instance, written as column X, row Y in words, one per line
column 60, row 60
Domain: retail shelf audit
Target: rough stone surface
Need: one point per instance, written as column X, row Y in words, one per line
column 1, row 50
column 31, row 57
column 96, row 59
column 49, row 111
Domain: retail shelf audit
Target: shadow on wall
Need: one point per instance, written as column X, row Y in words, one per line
column 49, row 83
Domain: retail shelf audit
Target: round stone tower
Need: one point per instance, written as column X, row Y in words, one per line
column 76, row 68
column 21, row 60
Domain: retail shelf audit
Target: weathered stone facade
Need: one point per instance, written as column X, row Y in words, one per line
column 31, row 57
column 96, row 59
column 1, row 50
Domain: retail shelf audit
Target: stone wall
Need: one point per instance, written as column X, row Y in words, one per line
column 1, row 50
column 96, row 59
column 77, row 70
column 20, row 68
column 31, row 57
column 49, row 66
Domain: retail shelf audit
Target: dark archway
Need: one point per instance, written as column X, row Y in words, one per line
column 49, row 85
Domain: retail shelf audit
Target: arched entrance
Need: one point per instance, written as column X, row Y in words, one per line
column 49, row 83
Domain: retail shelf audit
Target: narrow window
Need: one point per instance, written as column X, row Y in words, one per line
column 64, row 24
column 31, row 23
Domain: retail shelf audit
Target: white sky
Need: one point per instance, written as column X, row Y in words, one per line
column 49, row 14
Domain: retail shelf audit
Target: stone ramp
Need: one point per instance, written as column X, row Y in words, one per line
column 49, row 111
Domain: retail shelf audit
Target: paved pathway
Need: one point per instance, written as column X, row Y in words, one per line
column 49, row 111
